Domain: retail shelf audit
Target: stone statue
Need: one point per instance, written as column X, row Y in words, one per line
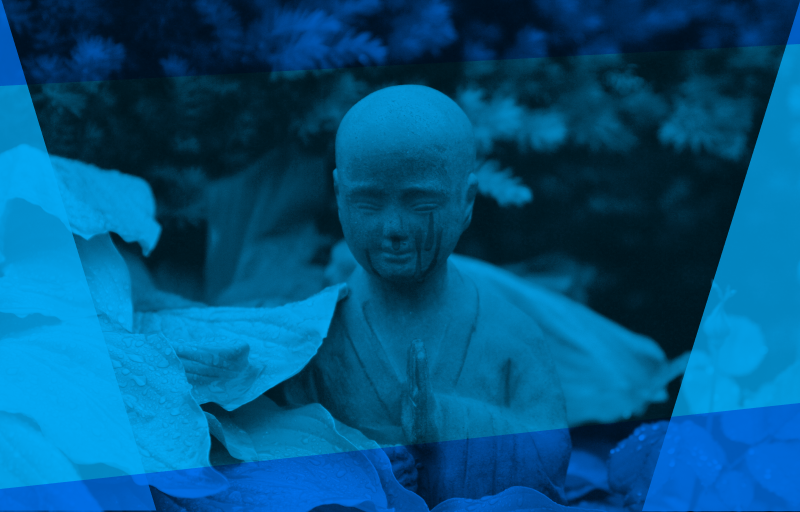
column 456, row 382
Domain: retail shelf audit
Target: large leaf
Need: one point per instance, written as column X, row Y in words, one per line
column 28, row 458
column 782, row 390
column 99, row 201
column 791, row 429
column 235, row 440
column 144, row 293
column 689, row 455
column 233, row 355
column 45, row 284
column 279, row 433
column 608, row 373
column 398, row 496
column 775, row 467
column 54, row 365
column 753, row 425
column 108, row 278
column 56, row 376
column 514, row 499
column 27, row 175
column 586, row 473
column 736, row 490
column 41, row 273
column 703, row 378
column 170, row 428
column 633, row 461
column 743, row 348
column 306, row 463
column 693, row 449
column 88, row 200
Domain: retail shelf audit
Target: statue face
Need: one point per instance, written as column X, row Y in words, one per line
column 403, row 213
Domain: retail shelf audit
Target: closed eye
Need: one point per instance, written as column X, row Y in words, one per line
column 372, row 207
column 426, row 207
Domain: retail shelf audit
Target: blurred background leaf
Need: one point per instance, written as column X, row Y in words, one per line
column 627, row 165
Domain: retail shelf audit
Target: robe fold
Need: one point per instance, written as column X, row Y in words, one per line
column 501, row 413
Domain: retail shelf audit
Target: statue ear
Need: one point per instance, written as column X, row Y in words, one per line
column 472, row 191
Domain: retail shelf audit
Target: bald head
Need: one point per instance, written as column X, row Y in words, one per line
column 417, row 124
column 404, row 184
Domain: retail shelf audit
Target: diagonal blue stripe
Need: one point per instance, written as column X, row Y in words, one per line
column 10, row 69
column 734, row 440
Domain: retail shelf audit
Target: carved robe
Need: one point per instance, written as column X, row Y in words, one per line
column 503, row 419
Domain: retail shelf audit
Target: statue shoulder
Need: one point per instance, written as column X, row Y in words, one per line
column 511, row 339
column 498, row 313
column 510, row 334
column 500, row 316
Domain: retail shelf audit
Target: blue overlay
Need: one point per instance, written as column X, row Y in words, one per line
column 734, row 440
column 62, row 419
column 161, row 388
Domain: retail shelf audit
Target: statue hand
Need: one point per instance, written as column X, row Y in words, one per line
column 404, row 466
column 419, row 403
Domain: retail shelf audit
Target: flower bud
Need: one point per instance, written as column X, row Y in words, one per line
column 717, row 325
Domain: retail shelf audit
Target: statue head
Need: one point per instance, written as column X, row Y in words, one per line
column 404, row 181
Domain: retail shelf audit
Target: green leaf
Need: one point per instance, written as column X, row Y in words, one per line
column 235, row 440
column 499, row 118
column 743, row 348
column 751, row 426
column 633, row 461
column 53, row 360
column 502, row 185
column 28, row 458
column 774, row 466
column 233, row 355
column 88, row 200
column 736, row 490
column 513, row 499
column 695, row 450
column 27, row 175
column 44, row 283
column 782, row 390
column 308, row 460
column 170, row 428
column 98, row 201
column 144, row 293
column 39, row 269
column 700, row 378
column 108, row 278
column 279, row 433
column 607, row 372
column 62, row 380
column 703, row 118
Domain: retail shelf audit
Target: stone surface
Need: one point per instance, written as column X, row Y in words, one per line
column 419, row 354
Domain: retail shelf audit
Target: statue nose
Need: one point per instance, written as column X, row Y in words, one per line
column 394, row 233
column 393, row 227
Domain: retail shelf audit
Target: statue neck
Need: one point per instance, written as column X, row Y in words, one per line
column 410, row 298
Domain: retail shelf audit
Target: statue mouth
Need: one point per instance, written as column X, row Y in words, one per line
column 396, row 257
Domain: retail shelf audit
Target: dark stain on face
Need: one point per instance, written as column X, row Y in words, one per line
column 433, row 240
column 435, row 259
column 425, row 241
column 418, row 247
column 369, row 263
column 429, row 238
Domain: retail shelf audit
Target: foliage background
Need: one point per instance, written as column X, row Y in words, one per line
column 634, row 160
column 629, row 123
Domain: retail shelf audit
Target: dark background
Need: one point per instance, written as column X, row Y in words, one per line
column 635, row 222
column 632, row 123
